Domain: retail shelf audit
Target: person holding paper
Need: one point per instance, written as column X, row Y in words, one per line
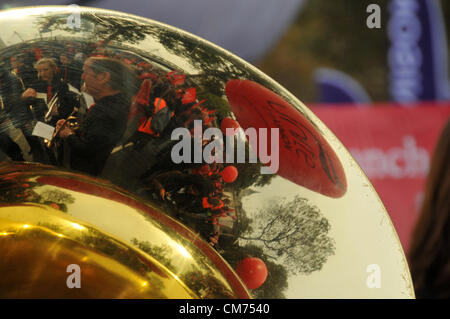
column 48, row 87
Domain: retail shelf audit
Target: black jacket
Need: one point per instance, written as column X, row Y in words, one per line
column 10, row 93
column 72, row 74
column 67, row 100
column 100, row 131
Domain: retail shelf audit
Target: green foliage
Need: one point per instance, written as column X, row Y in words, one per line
column 332, row 34
column 56, row 196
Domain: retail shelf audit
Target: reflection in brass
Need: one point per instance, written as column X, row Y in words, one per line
column 122, row 253
column 71, row 121
column 147, row 227
column 36, row 256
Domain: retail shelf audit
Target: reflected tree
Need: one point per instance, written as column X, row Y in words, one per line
column 97, row 27
column 214, row 66
column 196, row 279
column 56, row 198
column 161, row 253
column 294, row 233
column 206, row 284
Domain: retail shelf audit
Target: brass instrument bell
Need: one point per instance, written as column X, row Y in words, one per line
column 150, row 225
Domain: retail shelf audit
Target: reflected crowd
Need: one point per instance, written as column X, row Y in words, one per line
column 110, row 114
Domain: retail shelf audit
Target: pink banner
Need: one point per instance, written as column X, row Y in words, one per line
column 393, row 145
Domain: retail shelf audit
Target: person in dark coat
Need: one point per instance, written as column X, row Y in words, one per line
column 22, row 67
column 13, row 115
column 51, row 86
column 70, row 70
column 10, row 93
column 111, row 83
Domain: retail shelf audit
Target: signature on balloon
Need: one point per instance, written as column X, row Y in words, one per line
column 210, row 146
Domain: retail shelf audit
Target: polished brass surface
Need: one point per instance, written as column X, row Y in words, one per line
column 317, row 223
column 125, row 248
column 38, row 244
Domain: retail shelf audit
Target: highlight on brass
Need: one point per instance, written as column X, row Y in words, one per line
column 253, row 197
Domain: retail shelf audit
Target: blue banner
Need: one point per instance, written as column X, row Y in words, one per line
column 417, row 57
column 338, row 87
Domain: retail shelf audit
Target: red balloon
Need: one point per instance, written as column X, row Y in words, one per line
column 229, row 174
column 228, row 122
column 305, row 156
column 252, row 271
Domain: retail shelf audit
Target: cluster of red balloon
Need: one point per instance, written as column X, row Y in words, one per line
column 251, row 270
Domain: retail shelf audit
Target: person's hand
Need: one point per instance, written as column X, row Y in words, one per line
column 29, row 93
column 60, row 123
column 65, row 131
column 214, row 240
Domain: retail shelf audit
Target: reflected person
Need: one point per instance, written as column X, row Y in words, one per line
column 13, row 116
column 111, row 83
column 70, row 70
column 51, row 86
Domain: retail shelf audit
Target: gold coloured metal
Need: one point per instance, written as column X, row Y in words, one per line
column 124, row 248
column 317, row 223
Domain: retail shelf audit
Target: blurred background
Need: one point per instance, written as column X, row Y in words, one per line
column 374, row 71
